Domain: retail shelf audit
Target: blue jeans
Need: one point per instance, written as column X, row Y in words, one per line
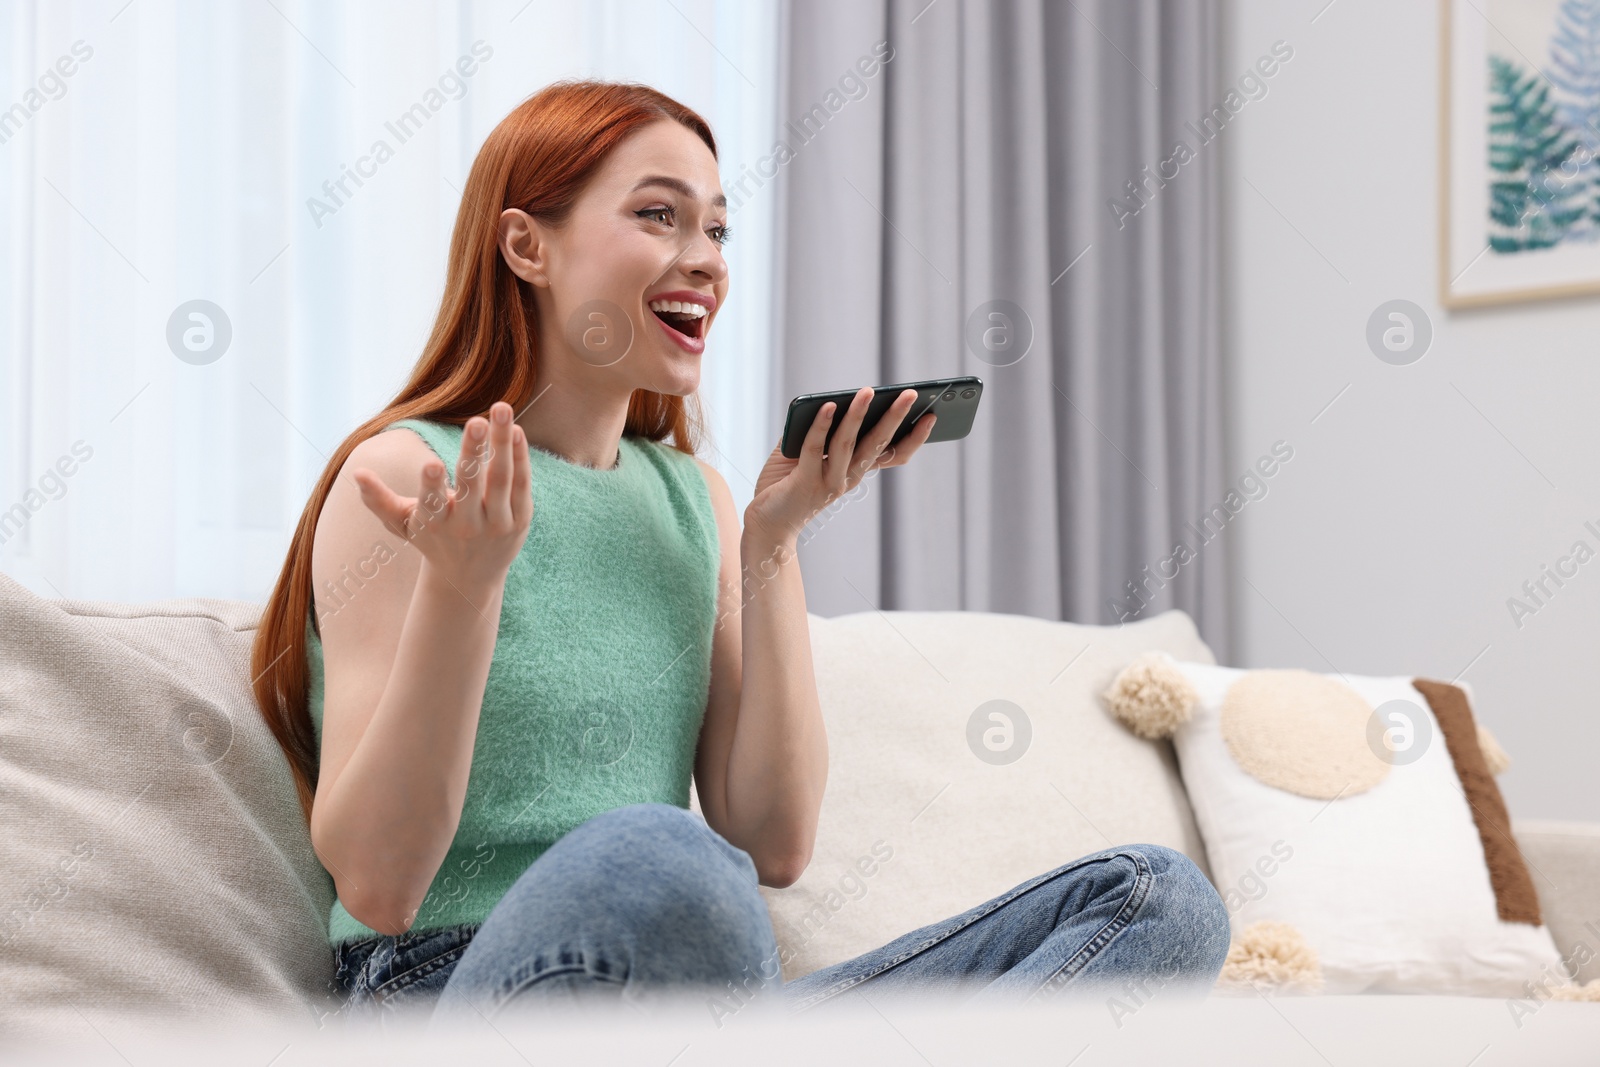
column 648, row 899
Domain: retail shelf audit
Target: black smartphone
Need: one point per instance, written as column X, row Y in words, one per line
column 953, row 400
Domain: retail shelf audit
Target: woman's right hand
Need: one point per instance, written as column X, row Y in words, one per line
column 470, row 533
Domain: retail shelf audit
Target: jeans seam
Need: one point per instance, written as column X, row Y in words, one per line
column 420, row 971
column 401, row 943
column 537, row 970
column 1143, row 877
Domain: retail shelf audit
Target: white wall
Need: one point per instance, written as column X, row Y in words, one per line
column 1423, row 498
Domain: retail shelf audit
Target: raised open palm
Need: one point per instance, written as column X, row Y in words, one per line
column 471, row 532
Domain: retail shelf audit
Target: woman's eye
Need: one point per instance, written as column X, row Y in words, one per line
column 721, row 234
column 649, row 211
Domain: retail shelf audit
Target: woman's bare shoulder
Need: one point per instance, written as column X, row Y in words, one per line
column 396, row 450
column 347, row 527
column 394, row 455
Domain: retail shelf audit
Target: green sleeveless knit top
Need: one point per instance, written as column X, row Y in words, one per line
column 601, row 670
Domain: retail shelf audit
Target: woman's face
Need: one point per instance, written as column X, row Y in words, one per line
column 648, row 228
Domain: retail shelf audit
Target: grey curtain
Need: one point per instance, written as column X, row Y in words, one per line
column 985, row 161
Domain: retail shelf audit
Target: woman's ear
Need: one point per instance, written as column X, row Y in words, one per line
column 520, row 246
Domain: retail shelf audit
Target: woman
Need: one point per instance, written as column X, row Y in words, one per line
column 511, row 672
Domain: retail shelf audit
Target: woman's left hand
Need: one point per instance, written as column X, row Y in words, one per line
column 789, row 492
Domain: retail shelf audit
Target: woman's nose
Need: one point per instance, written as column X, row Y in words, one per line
column 704, row 256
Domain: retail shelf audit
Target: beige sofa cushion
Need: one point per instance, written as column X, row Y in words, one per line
column 155, row 860
column 915, row 826
column 1565, row 860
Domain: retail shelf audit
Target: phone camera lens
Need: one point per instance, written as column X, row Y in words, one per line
column 968, row 393
column 951, row 395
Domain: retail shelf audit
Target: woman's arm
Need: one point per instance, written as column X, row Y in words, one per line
column 406, row 657
column 763, row 760
column 763, row 757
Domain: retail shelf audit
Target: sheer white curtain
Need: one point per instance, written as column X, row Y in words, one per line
column 158, row 153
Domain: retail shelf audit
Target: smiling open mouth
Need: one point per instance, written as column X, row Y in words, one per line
column 688, row 319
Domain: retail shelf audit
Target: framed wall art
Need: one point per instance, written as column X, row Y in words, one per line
column 1519, row 153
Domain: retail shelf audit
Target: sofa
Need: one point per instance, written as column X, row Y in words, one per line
column 158, row 887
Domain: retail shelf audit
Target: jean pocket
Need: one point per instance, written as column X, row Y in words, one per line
column 417, row 963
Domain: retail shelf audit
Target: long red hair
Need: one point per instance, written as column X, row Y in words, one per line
column 483, row 348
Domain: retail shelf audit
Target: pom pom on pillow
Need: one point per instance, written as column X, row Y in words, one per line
column 1493, row 754
column 1272, row 955
column 1589, row 991
column 1152, row 696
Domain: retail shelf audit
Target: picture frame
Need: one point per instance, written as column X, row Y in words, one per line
column 1519, row 152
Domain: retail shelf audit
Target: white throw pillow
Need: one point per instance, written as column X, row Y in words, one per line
column 1367, row 846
